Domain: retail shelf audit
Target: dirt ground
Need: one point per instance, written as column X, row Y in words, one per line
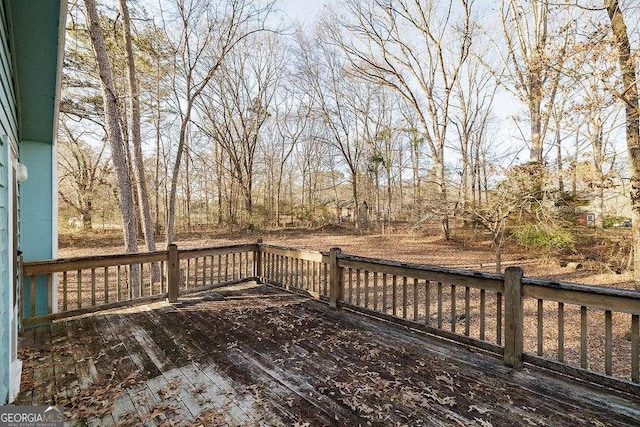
column 589, row 263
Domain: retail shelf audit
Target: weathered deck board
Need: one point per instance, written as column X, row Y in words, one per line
column 250, row 354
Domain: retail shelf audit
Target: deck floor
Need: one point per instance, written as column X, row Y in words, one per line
column 253, row 355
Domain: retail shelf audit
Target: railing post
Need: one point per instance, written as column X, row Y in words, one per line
column 335, row 274
column 513, row 317
column 173, row 273
column 257, row 261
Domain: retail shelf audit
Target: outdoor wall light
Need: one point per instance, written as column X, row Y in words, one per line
column 22, row 173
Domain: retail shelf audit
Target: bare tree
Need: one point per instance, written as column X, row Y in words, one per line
column 83, row 172
column 238, row 103
column 417, row 49
column 537, row 36
column 136, row 138
column 342, row 104
column 475, row 94
column 291, row 120
column 114, row 133
column 629, row 95
column 207, row 33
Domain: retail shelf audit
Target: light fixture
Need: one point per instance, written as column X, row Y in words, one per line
column 22, row 173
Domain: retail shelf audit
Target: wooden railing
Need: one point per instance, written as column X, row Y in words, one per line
column 85, row 284
column 592, row 333
column 587, row 332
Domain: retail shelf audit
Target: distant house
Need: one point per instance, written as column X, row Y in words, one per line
column 586, row 218
column 345, row 211
column 31, row 37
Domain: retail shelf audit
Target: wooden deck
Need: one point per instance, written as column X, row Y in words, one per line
column 253, row 355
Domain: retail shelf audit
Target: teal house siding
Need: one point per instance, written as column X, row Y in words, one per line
column 36, row 79
column 31, row 40
column 36, row 209
column 5, row 320
column 8, row 132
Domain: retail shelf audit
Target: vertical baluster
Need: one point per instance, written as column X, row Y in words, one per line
column 119, row 282
column 307, row 275
column 540, row 327
column 483, row 322
column 635, row 348
column 608, row 342
column 358, row 287
column 50, row 293
column 375, row 291
column 583, row 337
column 467, row 311
column 416, row 312
column 32, row 294
column 405, row 297
column 561, row 332
column 453, row 308
column 385, row 304
column 64, row 291
column 439, row 305
column 140, row 279
column 394, row 295
column 204, row 270
column 246, row 264
column 106, row 284
column 427, row 302
column 233, row 269
column 326, row 279
column 274, row 268
column 315, row 274
column 23, row 300
column 163, row 289
column 93, row 287
column 498, row 318
column 366, row 289
column 186, row 281
column 287, row 277
column 350, row 284
column 226, row 267
column 219, row 268
column 196, row 270
column 79, row 272
column 128, row 273
column 150, row 270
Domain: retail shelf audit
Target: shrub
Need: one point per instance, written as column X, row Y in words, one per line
column 536, row 236
column 611, row 220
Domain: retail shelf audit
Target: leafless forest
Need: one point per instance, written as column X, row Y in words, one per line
column 518, row 118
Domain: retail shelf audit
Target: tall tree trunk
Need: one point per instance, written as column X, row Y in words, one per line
column 559, row 160
column 632, row 107
column 115, row 136
column 187, row 182
column 136, row 138
column 175, row 172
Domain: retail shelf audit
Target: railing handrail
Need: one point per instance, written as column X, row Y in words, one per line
column 579, row 287
column 35, row 268
column 435, row 273
column 217, row 250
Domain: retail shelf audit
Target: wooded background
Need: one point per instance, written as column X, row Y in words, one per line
column 517, row 116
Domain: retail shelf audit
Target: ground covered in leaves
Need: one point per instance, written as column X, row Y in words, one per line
column 252, row 355
column 597, row 258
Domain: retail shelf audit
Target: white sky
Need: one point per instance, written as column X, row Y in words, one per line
column 303, row 10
